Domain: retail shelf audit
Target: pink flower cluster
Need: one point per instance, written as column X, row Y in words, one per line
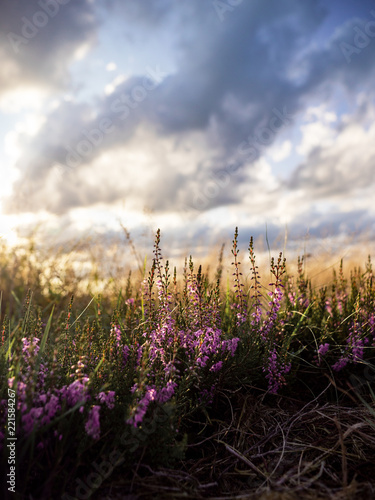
column 275, row 303
column 152, row 394
column 92, row 425
column 40, row 407
column 276, row 371
column 321, row 352
column 355, row 348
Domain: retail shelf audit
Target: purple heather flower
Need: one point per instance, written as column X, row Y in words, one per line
column 355, row 348
column 357, row 345
column 329, row 306
column 202, row 361
column 257, row 314
column 303, row 301
column 27, row 345
column 125, row 354
column 216, row 367
column 292, row 298
column 323, row 349
column 117, row 333
column 43, row 398
column 340, row 364
column 230, row 345
column 134, row 388
column 92, row 426
column 139, row 412
column 76, row 391
column 50, row 409
column 29, row 420
column 275, row 369
column 271, row 318
column 151, row 395
column 167, row 392
column 108, row 399
column 169, row 369
column 241, row 317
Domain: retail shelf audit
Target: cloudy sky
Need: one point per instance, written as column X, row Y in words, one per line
column 194, row 116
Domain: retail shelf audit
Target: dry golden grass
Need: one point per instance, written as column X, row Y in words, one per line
column 94, row 265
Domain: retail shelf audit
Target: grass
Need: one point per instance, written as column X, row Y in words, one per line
column 215, row 382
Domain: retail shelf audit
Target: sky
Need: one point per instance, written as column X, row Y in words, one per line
column 192, row 116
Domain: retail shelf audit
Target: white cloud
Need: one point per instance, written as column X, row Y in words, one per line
column 315, row 134
column 81, row 51
column 23, row 130
column 319, row 113
column 280, row 152
column 21, row 99
column 111, row 66
column 341, row 166
column 111, row 87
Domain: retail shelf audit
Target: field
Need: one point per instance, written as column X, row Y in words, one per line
column 221, row 381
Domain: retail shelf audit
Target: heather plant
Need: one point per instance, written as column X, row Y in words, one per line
column 240, row 297
column 255, row 287
column 179, row 351
column 88, row 379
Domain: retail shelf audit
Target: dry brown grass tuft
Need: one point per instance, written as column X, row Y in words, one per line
column 254, row 446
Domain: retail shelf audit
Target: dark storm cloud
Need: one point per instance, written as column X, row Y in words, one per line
column 329, row 65
column 230, row 77
column 38, row 40
column 149, row 12
column 243, row 58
